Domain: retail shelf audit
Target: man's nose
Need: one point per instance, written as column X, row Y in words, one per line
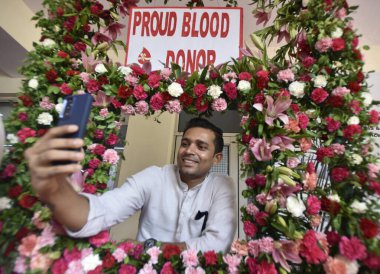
column 190, row 149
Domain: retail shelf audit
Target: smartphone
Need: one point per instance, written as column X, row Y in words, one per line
column 76, row 111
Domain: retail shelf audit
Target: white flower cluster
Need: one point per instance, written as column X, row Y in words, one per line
column 91, row 262
column 45, row 118
column 214, row 91
column 48, row 43
column 100, row 68
column 5, row 203
column 320, row 81
column 367, row 98
column 353, row 120
column 12, row 138
column 33, row 83
column 359, row 207
column 244, row 85
column 356, row 159
column 295, row 206
column 175, row 89
column 125, row 70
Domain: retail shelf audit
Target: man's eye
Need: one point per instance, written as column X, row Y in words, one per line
column 183, row 144
column 202, row 147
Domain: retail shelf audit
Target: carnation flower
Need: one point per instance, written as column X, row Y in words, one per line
column 45, row 118
column 173, row 106
column 356, row 159
column 219, row 104
column 5, row 203
column 100, row 68
column 285, row 75
column 12, row 138
column 295, row 206
column 369, row 228
column 189, row 257
column 339, row 174
column 319, row 95
column 128, row 109
column 337, row 33
column 323, row 44
column 320, row 81
column 48, row 43
column 90, row 262
column 175, row 89
column 297, row 89
column 353, row 120
column 110, row 156
column 165, row 73
column 142, row 107
column 367, row 98
column 33, row 83
column 352, row 248
column 214, row 91
column 313, row 205
column 244, row 85
column 154, row 252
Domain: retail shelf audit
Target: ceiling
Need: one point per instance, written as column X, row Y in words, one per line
column 12, row 54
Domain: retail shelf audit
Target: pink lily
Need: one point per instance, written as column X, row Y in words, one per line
column 284, row 251
column 263, row 150
column 262, row 16
column 102, row 100
column 283, row 33
column 100, row 37
column 126, row 5
column 114, row 29
column 89, row 62
column 276, row 109
column 283, row 142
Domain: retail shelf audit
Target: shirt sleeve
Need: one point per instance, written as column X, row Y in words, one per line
column 115, row 205
column 222, row 220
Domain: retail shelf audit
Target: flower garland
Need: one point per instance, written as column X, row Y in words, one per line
column 312, row 182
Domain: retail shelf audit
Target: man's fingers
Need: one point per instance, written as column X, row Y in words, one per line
column 47, row 172
column 50, row 156
column 56, row 132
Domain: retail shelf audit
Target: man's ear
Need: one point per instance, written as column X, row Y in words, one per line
column 218, row 157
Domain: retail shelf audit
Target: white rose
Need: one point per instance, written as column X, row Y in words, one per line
column 295, row 206
column 320, row 81
column 5, row 203
column 48, row 43
column 214, row 91
column 359, row 207
column 337, row 33
column 244, row 85
column 91, row 262
column 175, row 89
column 334, row 198
column 367, row 98
column 58, row 107
column 45, row 118
column 33, row 83
column 356, row 159
column 305, row 3
column 352, row 267
column 318, row 120
column 100, row 68
column 297, row 89
column 13, row 139
column 353, row 120
column 125, row 70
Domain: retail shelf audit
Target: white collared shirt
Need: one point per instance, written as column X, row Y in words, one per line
column 170, row 211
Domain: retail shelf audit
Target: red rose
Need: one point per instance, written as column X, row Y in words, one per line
column 295, row 108
column 137, row 70
column 351, row 130
column 96, row 8
column 332, row 125
column 167, row 268
column 124, row 92
column 313, row 250
column 99, row 149
column 112, row 139
column 338, row 44
column 249, row 229
column 99, row 239
column 94, row 163
column 89, row 188
column 65, row 89
column 26, row 100
column 323, row 152
column 80, row 46
column 333, row 238
column 355, row 87
column 303, row 120
column 374, row 117
column 59, row 266
column 262, row 218
column 185, row 99
column 51, row 75
column 308, row 61
column 259, row 99
column 230, row 89
column 157, row 101
column 14, row 191
column 329, row 206
column 335, row 101
column 25, row 133
column 375, row 186
column 200, row 90
column 27, row 201
column 313, row 205
column 339, row 174
column 262, row 79
column 355, row 107
column 92, row 85
column 201, row 105
column 210, row 258
column 154, row 80
column 170, row 250
column 318, row 95
column 369, row 228
column 8, row 172
column 139, row 93
column 245, row 76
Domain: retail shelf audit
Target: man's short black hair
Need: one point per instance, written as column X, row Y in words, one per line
column 203, row 123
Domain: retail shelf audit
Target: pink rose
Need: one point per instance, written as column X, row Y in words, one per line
column 324, row 44
column 285, row 75
column 313, row 205
column 110, row 156
column 352, row 248
column 173, row 106
column 99, row 239
column 139, row 93
column 157, row 101
column 142, row 107
column 219, row 104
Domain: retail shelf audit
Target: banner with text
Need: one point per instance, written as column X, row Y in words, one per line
column 191, row 38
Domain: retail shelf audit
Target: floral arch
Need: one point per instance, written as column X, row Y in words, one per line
column 310, row 99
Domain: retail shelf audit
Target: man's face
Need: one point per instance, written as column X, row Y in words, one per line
column 196, row 155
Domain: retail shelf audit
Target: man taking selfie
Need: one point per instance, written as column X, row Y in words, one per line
column 183, row 204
